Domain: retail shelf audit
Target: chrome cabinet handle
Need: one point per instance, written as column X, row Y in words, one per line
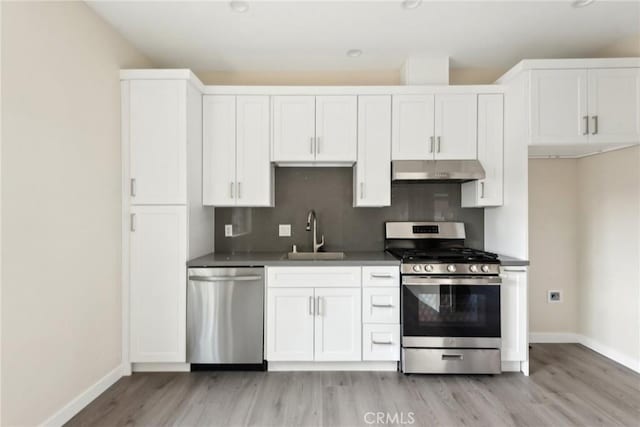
column 318, row 307
column 431, row 144
column 317, row 145
column 381, row 276
column 310, row 306
column 452, row 357
column 133, row 188
column 239, row 190
column 482, row 190
column 381, row 342
column 224, row 278
column 133, row 222
column 382, row 305
column 595, row 125
column 438, row 144
column 586, row 125
column 231, row 189
column 311, row 145
column 362, row 190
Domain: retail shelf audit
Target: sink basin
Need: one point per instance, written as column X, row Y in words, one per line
column 310, row 256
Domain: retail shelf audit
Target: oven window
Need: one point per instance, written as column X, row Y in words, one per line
column 451, row 310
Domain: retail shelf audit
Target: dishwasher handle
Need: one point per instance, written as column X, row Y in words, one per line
column 224, row 278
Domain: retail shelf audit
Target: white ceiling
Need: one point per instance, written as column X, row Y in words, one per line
column 315, row 35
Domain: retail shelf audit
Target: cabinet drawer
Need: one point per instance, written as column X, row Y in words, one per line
column 381, row 276
column 380, row 342
column 381, row 305
column 313, row 277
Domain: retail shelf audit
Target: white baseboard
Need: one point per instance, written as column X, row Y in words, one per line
column 598, row 347
column 553, row 337
column 83, row 399
column 161, row 367
column 332, row 366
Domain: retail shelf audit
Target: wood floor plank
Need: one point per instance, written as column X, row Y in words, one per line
column 569, row 385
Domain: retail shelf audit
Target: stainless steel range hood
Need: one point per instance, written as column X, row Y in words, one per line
column 437, row 170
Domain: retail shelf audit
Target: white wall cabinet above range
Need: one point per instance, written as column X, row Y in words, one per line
column 578, row 106
column 441, row 127
column 372, row 171
column 488, row 191
column 236, row 167
column 315, row 129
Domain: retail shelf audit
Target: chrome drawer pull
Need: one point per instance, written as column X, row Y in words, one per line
column 382, row 342
column 382, row 305
column 452, row 357
column 381, row 276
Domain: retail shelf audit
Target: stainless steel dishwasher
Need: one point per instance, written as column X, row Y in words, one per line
column 225, row 317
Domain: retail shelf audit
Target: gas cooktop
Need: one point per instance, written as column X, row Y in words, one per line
column 435, row 255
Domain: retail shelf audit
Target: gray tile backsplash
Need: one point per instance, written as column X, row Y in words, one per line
column 329, row 192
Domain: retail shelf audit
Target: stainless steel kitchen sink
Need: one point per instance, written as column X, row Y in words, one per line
column 311, row 256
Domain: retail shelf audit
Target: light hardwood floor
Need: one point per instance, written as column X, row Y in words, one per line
column 569, row 385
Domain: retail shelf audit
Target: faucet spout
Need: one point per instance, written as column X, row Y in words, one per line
column 312, row 221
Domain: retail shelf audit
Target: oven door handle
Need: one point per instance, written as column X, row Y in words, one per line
column 422, row 280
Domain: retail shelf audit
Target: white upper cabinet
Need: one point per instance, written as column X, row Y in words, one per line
column 372, row 173
column 156, row 127
column 336, row 128
column 413, row 127
column 455, row 126
column 488, row 191
column 158, row 256
column 294, row 128
column 314, row 129
column 219, row 150
column 236, row 166
column 559, row 106
column 253, row 167
column 614, row 105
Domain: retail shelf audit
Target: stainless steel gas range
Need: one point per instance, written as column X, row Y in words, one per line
column 450, row 300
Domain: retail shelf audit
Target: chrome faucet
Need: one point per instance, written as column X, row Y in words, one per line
column 311, row 216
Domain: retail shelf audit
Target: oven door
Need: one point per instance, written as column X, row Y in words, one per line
column 451, row 311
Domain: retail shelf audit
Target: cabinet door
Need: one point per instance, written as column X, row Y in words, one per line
column 488, row 191
column 558, row 107
column 219, row 150
column 254, row 171
column 456, row 119
column 614, row 105
column 336, row 128
column 338, row 329
column 514, row 318
column 413, row 127
column 372, row 183
column 158, row 283
column 157, row 141
column 294, row 128
column 290, row 316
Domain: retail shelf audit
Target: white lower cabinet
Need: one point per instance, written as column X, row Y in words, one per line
column 380, row 342
column 158, row 245
column 381, row 305
column 290, row 324
column 337, row 324
column 514, row 316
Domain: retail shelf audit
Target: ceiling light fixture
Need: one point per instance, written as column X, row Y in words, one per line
column 581, row 3
column 239, row 6
column 411, row 4
column 354, row 53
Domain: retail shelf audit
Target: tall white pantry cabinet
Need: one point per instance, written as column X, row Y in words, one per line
column 164, row 222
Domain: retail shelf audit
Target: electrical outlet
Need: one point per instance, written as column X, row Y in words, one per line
column 284, row 230
column 228, row 230
column 554, row 296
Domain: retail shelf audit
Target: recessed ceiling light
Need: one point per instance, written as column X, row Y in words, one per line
column 239, row 6
column 581, row 3
column 354, row 53
column 411, row 4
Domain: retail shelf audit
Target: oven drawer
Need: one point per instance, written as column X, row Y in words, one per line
column 380, row 342
column 450, row 361
column 381, row 305
column 381, row 276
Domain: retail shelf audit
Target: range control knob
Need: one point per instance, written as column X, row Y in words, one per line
column 473, row 268
column 417, row 268
column 451, row 268
column 485, row 268
column 428, row 268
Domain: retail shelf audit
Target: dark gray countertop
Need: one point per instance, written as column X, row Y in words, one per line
column 508, row 261
column 279, row 259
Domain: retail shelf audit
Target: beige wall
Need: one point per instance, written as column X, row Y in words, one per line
column 61, row 246
column 609, row 250
column 627, row 46
column 369, row 77
column 553, row 245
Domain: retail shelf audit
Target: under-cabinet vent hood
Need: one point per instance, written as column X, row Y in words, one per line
column 437, row 170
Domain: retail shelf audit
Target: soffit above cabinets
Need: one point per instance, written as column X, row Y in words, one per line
column 316, row 35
